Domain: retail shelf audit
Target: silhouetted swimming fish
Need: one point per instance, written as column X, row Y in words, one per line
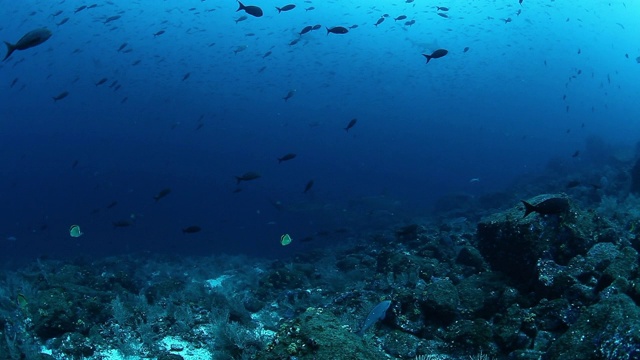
column 286, row 8
column 250, row 175
column 29, row 40
column 162, row 193
column 554, row 205
column 61, row 96
column 337, row 30
column 351, row 124
column 287, row 157
column 289, row 95
column 251, row 9
column 379, row 22
column 306, row 29
column 191, row 229
column 436, row 54
column 308, row 187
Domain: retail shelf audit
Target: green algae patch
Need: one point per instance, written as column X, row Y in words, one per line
column 319, row 334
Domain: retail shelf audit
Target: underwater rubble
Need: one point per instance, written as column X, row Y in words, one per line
column 482, row 283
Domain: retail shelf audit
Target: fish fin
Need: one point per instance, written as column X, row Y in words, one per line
column 328, row 31
column 10, row 49
column 240, row 6
column 279, row 10
column 238, row 180
column 428, row 57
column 528, row 208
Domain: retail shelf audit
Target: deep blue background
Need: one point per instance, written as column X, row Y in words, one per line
column 495, row 113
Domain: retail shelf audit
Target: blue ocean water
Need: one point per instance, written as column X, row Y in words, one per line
column 538, row 80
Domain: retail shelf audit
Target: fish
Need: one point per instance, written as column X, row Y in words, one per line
column 63, row 21
column 289, row 95
column 507, row 20
column 186, row 76
column 80, row 9
column 251, row 9
column 61, row 96
column 410, row 22
column 379, row 22
column 443, row 15
column 351, row 124
column 317, row 26
column 29, row 40
column 15, row 81
column 112, row 18
column 248, row 176
column 376, row 314
column 401, row 17
column 337, row 30
column 286, row 8
column 436, row 54
column 309, row 8
column 164, row 192
column 306, row 29
column 121, row 223
column 554, row 205
column 266, row 54
column 158, row 33
column 122, row 46
column 136, row 62
column 353, row 26
column 465, row 49
column 240, row 48
column 57, row 13
column 308, row 186
column 191, row 229
column 293, row 42
column 442, row 8
column 286, row 157
column 241, row 18
column 101, row 81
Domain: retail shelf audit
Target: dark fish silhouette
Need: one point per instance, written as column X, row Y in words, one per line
column 555, row 205
column 289, row 95
column 379, row 22
column 306, row 29
column 409, row 23
column 337, row 30
column 121, row 223
column 251, row 175
column 61, row 96
column 101, row 81
column 158, row 33
column 29, row 40
column 186, row 76
column 308, row 187
column 191, row 229
column 351, row 124
column 317, row 26
column 112, row 18
column 162, row 193
column 285, row 8
column 401, row 17
column 80, row 8
column 436, row 54
column 576, row 154
column 63, row 21
column 251, row 9
column 442, row 8
column 465, row 49
column 287, row 157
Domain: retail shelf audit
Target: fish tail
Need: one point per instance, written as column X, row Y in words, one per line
column 428, row 57
column 238, row 180
column 528, row 208
column 240, row 6
column 279, row 10
column 328, row 31
column 10, row 49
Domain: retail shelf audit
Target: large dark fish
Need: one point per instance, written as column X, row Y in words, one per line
column 251, row 175
column 287, row 157
column 351, row 124
column 436, row 54
column 337, row 30
column 29, row 40
column 308, row 187
column 161, row 194
column 191, row 229
column 251, row 10
column 286, row 8
column 61, row 96
column 306, row 29
column 556, row 205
